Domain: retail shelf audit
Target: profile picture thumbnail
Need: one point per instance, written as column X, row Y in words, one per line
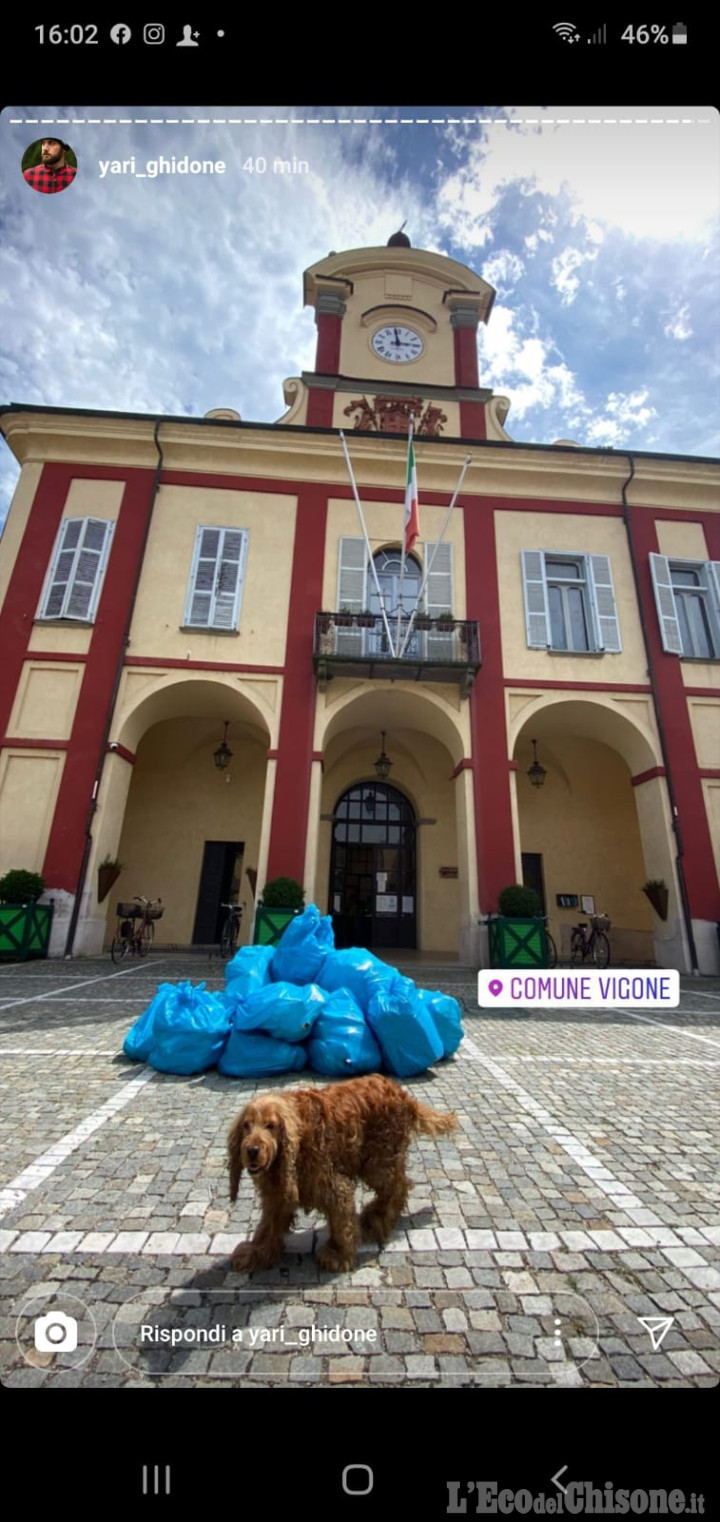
column 49, row 165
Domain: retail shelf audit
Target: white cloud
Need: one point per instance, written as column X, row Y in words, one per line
column 678, row 326
column 623, row 414
column 564, row 278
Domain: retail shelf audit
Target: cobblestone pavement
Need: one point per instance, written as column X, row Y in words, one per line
column 579, row 1195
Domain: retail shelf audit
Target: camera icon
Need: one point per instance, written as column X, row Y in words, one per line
column 56, row 1332
column 153, row 32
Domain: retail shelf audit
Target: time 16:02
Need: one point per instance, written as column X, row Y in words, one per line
column 76, row 34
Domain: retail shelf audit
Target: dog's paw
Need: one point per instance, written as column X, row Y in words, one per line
column 335, row 1259
column 246, row 1259
column 372, row 1226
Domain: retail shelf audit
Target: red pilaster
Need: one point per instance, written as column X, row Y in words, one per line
column 466, row 356
column 320, row 408
column 26, row 581
column 63, row 858
column 288, row 831
column 473, row 423
column 327, row 353
column 700, row 874
column 491, row 779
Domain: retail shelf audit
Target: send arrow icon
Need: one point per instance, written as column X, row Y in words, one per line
column 658, row 1327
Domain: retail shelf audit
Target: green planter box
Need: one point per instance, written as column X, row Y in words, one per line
column 517, row 943
column 270, row 924
column 24, row 931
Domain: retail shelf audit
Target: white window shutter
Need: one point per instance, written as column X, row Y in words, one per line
column 713, row 579
column 74, row 581
column 351, row 592
column 439, row 589
column 537, row 621
column 439, row 597
column 602, row 602
column 665, row 601
column 216, row 578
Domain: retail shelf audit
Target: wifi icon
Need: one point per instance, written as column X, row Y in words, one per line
column 567, row 31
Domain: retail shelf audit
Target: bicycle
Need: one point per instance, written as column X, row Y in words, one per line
column 552, row 956
column 231, row 929
column 135, row 929
column 596, row 943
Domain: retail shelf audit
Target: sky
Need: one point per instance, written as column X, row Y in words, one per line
column 175, row 293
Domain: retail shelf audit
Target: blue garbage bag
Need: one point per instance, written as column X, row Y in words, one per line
column 358, row 970
column 446, row 1017
column 303, row 948
column 248, row 971
column 404, row 1028
column 341, row 1044
column 252, row 1056
column 190, row 1030
column 282, row 1010
column 139, row 1040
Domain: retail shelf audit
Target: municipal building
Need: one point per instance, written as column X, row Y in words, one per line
column 211, row 675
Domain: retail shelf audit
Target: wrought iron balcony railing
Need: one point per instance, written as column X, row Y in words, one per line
column 356, row 644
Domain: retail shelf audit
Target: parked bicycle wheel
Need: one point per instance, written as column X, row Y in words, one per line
column 119, row 948
column 228, row 938
column 551, row 950
column 577, row 947
column 146, row 938
column 601, row 950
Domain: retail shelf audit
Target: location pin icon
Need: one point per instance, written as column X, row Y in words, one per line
column 495, row 987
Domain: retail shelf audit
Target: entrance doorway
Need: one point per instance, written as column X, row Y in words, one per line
column 219, row 884
column 372, row 868
column 532, row 873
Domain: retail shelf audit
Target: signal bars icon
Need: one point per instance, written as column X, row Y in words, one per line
column 600, row 35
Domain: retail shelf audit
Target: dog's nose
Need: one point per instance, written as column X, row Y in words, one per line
column 252, row 1153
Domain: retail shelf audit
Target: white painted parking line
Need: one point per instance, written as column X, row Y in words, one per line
column 54, row 992
column 39, row 1172
column 665, row 1025
column 180, row 1244
column 700, row 995
column 622, row 1197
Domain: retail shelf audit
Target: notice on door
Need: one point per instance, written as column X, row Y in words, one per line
column 386, row 903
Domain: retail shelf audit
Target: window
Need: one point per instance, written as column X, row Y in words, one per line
column 216, row 578
column 356, row 592
column 570, row 603
column 687, row 595
column 74, row 580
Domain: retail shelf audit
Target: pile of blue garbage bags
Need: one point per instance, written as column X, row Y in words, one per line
column 298, row 1004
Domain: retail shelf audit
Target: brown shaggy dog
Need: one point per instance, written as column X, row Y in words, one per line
column 307, row 1148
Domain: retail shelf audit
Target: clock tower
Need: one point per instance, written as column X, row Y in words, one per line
column 397, row 334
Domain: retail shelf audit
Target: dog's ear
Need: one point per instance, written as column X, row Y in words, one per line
column 235, row 1139
column 289, row 1145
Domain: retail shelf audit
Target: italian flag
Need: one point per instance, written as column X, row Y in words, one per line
column 412, row 522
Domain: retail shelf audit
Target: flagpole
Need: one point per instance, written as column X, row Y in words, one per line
column 429, row 567
column 367, row 541
column 402, row 558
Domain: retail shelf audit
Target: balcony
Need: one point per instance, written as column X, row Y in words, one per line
column 356, row 644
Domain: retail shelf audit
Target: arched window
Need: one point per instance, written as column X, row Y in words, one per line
column 388, row 564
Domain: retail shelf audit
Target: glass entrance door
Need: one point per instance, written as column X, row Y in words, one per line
column 372, row 871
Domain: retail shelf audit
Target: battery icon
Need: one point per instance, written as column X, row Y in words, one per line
column 679, row 33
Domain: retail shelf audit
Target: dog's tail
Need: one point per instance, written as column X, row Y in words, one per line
column 432, row 1123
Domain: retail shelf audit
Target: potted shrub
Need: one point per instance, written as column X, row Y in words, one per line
column 344, row 618
column 365, row 620
column 444, row 622
column 517, row 931
column 282, row 898
column 108, row 873
column 423, row 621
column 24, row 923
column 656, row 890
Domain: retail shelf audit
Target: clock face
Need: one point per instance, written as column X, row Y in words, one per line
column 397, row 344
